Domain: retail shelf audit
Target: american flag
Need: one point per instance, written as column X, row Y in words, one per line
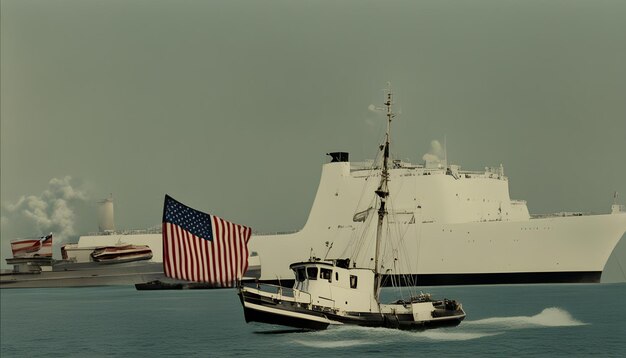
column 32, row 247
column 46, row 246
column 201, row 247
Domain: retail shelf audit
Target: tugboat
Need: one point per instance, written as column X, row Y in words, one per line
column 334, row 292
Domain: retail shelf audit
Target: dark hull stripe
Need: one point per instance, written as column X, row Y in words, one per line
column 502, row 278
column 253, row 315
column 404, row 322
column 480, row 278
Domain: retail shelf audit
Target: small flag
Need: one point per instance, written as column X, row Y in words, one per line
column 46, row 246
column 34, row 247
column 201, row 247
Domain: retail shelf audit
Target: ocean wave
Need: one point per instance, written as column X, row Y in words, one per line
column 334, row 344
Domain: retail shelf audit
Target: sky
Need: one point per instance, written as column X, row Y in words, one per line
column 231, row 106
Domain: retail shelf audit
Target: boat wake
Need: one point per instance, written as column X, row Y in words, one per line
column 341, row 337
column 549, row 317
column 345, row 336
column 334, row 344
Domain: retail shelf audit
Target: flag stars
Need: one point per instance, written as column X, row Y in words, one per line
column 196, row 222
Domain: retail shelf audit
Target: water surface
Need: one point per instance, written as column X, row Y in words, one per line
column 531, row 320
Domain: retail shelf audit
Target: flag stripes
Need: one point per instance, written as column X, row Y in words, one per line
column 221, row 261
column 32, row 247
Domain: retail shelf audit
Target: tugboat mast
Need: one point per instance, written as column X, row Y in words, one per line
column 383, row 189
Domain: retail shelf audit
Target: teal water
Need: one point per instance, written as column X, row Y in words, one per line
column 502, row 321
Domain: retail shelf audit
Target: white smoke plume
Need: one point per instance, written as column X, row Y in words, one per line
column 372, row 121
column 51, row 211
column 436, row 153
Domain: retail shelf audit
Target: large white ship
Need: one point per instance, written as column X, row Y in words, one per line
column 459, row 227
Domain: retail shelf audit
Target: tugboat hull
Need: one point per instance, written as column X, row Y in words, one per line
column 255, row 310
column 271, row 309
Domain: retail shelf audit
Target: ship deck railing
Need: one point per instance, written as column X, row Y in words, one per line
column 277, row 292
column 155, row 230
column 561, row 215
column 275, row 233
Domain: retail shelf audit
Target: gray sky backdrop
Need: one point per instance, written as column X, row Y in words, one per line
column 230, row 106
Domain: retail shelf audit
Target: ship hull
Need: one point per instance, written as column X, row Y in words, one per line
column 551, row 250
column 260, row 309
column 547, row 250
column 283, row 317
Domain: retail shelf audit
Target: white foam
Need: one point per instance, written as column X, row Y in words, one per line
column 332, row 338
column 549, row 317
column 342, row 336
column 439, row 335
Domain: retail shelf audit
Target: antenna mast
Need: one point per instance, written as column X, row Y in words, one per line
column 383, row 188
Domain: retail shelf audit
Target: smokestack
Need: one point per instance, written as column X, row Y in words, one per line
column 105, row 215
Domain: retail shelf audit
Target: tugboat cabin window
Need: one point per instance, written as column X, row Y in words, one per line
column 326, row 274
column 353, row 281
column 311, row 273
column 336, row 276
column 300, row 274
